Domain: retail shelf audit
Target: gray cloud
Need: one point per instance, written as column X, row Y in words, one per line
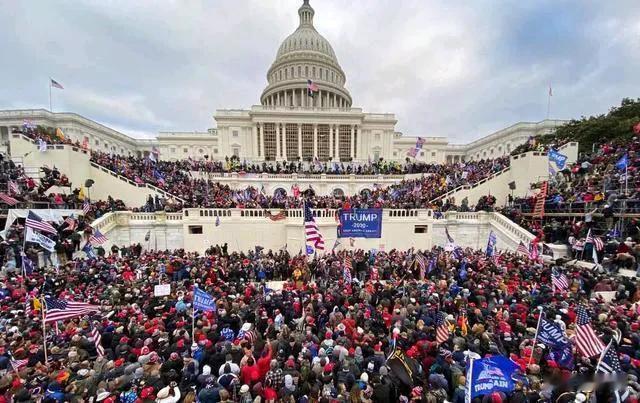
column 459, row 70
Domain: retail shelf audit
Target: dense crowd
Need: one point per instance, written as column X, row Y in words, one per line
column 415, row 193
column 323, row 337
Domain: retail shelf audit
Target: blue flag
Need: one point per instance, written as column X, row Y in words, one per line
column 623, row 162
column 27, row 265
column 487, row 375
column 491, row 244
column 203, row 301
column 562, row 356
column 463, row 270
column 550, row 334
column 559, row 159
column 89, row 251
column 309, row 250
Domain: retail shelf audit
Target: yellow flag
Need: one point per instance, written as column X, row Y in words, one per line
column 37, row 305
column 463, row 325
column 59, row 134
column 81, row 194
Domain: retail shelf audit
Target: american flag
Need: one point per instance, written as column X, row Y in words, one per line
column 522, row 249
column 86, row 207
column 58, row 309
column 312, row 88
column 13, row 187
column 35, row 222
column 559, row 281
column 587, row 341
column 311, row 230
column 346, row 272
column 609, row 366
column 598, row 244
column 8, row 199
column 97, row 238
column 589, row 238
column 442, row 328
column 71, row 223
column 17, row 365
column 56, row 84
column 421, row 261
column 96, row 338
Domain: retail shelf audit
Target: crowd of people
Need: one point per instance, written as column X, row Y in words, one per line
column 321, row 336
column 176, row 178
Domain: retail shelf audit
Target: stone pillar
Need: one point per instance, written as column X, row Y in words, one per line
column 278, row 141
column 337, row 129
column 256, row 152
column 278, row 99
column 261, row 129
column 284, row 141
column 315, row 140
column 330, row 141
column 300, row 140
column 352, row 137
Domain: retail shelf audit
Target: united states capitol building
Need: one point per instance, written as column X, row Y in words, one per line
column 288, row 124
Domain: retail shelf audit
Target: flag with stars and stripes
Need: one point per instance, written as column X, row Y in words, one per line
column 8, row 199
column 587, row 341
column 96, row 339
column 86, row 207
column 346, row 271
column 59, row 309
column 311, row 229
column 97, row 238
column 598, row 243
column 421, row 262
column 13, row 187
column 35, row 222
column 442, row 328
column 71, row 222
column 559, row 281
column 522, row 249
column 610, row 370
column 17, row 365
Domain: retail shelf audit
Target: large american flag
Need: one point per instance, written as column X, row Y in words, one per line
column 97, row 238
column 587, row 340
column 311, row 230
column 86, row 207
column 71, row 223
column 35, row 222
column 442, row 328
column 522, row 249
column 421, row 262
column 58, row 309
column 559, row 281
column 348, row 266
column 8, row 199
column 609, row 366
column 13, row 187
column 96, row 338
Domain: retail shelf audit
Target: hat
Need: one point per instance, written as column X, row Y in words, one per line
column 244, row 389
column 101, row 394
column 163, row 393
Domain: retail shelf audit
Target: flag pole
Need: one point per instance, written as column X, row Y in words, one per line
column 44, row 330
column 193, row 318
column 535, row 338
column 549, row 103
column 50, row 108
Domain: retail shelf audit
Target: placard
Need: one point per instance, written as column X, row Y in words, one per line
column 160, row 290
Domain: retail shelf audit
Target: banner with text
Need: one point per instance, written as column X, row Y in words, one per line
column 360, row 223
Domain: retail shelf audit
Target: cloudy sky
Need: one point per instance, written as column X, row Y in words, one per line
column 459, row 70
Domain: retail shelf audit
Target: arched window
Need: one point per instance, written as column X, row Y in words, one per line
column 338, row 193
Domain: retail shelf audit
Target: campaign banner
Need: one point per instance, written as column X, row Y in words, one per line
column 47, row 243
column 360, row 223
column 487, row 375
column 551, row 334
column 203, row 301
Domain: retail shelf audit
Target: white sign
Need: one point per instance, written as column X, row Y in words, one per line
column 161, row 290
column 47, row 243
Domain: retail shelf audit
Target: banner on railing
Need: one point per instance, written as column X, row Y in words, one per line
column 360, row 223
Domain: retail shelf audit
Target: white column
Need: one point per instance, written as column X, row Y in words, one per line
column 337, row 128
column 261, row 129
column 277, row 141
column 315, row 140
column 352, row 136
column 278, row 99
column 284, row 141
column 331, row 141
column 255, row 142
column 300, row 140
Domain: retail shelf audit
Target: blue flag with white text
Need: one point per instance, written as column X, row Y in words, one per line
column 488, row 375
column 203, row 301
column 623, row 162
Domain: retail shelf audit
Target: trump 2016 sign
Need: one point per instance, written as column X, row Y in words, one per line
column 360, row 223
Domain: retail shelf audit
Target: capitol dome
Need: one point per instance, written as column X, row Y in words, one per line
column 306, row 55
